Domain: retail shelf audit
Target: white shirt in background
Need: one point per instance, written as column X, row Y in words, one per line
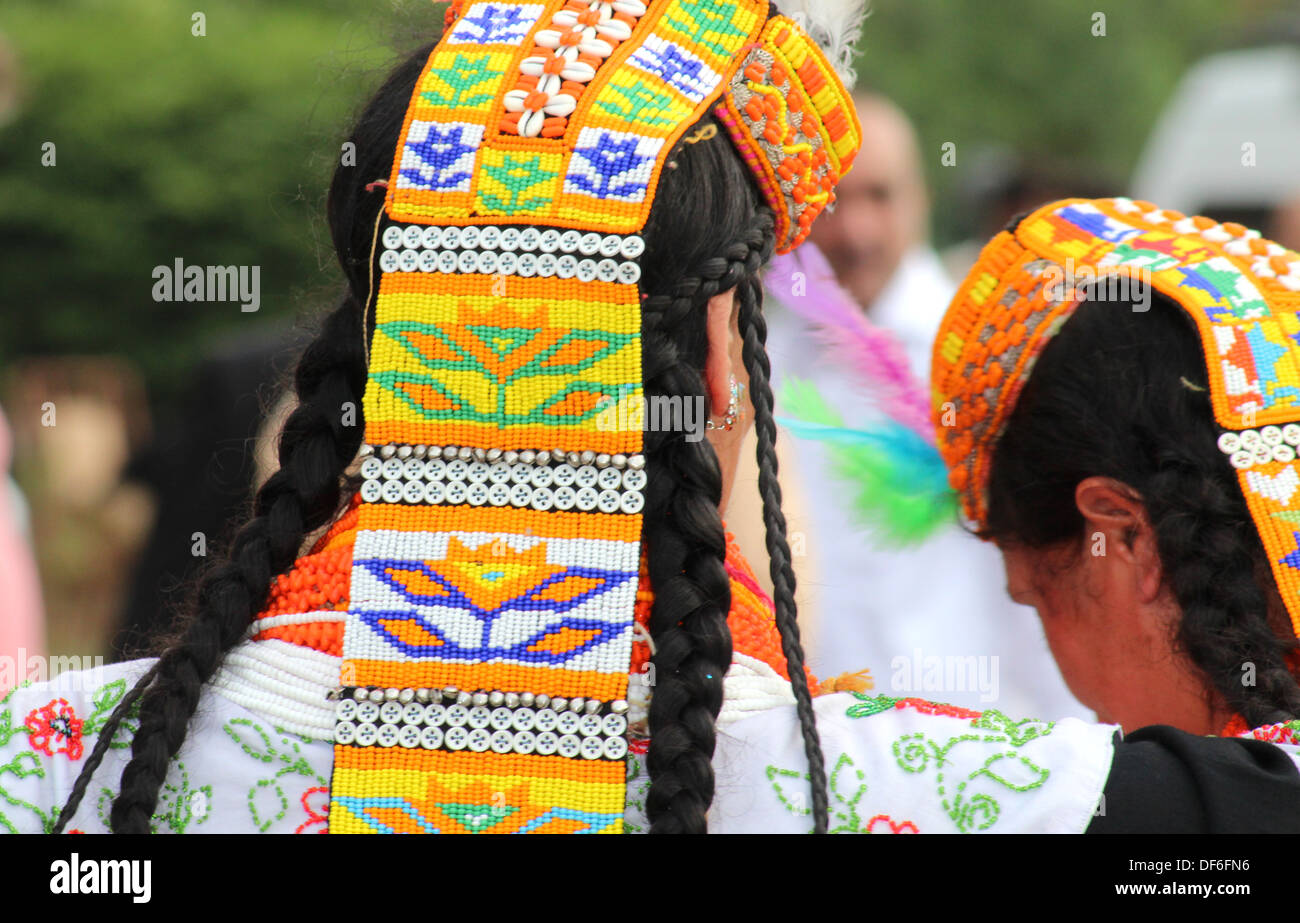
column 932, row 621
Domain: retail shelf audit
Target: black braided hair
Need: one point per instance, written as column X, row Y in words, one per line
column 683, row 529
column 683, row 532
column 754, row 329
column 1122, row 394
column 305, row 494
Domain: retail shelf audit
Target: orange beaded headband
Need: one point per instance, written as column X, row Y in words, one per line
column 488, row 637
column 1242, row 291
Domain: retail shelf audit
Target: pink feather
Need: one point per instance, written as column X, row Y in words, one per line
column 874, row 354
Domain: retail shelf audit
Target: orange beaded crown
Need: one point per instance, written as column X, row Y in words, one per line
column 1242, row 291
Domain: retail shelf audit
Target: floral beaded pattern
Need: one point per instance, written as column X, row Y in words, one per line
column 970, row 762
column 967, row 779
column 180, row 805
column 1242, row 291
column 968, row 787
column 283, row 756
column 240, row 772
column 54, row 731
column 562, row 112
column 847, row 788
column 55, row 728
column 795, row 125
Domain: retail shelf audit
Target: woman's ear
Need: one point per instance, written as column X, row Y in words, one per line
column 1118, row 525
column 717, row 367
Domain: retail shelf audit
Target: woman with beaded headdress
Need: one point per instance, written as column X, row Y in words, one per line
column 503, row 606
column 1125, row 380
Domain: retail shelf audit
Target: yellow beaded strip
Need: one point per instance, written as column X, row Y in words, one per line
column 1242, row 291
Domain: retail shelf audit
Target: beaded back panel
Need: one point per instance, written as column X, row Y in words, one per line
column 1242, row 291
column 495, row 568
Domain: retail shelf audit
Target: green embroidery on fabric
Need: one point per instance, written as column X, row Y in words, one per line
column 179, row 804
column 871, row 704
column 105, row 699
column 24, row 765
column 635, row 798
column 847, row 786
column 267, row 802
column 968, row 807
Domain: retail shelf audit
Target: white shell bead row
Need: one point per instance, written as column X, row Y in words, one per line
column 480, row 477
column 511, row 251
column 1252, row 447
column 503, row 722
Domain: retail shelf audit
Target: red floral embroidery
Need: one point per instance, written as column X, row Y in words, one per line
column 55, row 728
column 318, row 814
column 883, row 821
column 638, row 745
column 937, row 708
column 1276, row 733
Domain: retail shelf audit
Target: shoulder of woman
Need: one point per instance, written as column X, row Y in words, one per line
column 905, row 765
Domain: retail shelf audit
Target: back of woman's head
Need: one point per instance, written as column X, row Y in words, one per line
column 706, row 233
column 1121, row 392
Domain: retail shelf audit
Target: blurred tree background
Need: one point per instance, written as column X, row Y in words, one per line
column 217, row 150
column 1031, row 77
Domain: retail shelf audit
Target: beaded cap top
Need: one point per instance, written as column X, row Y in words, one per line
column 493, row 578
column 1242, row 291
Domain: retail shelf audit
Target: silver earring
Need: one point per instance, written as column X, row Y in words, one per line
column 733, row 408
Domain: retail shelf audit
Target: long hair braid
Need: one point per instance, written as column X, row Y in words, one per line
column 299, row 498
column 753, row 328
column 304, row 494
column 1212, row 561
column 684, row 534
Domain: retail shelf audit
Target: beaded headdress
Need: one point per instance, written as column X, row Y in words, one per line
column 1242, row 291
column 488, row 637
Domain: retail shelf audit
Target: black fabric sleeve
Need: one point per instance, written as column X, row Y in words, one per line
column 1163, row 780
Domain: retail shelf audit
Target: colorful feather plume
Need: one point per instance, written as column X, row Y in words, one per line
column 900, row 482
column 806, row 285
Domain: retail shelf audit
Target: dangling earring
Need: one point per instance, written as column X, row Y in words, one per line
column 733, row 408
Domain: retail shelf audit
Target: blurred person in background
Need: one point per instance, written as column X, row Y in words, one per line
column 891, row 611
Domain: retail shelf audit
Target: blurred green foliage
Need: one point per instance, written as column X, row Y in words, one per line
column 218, row 149
column 1031, row 77
column 215, row 149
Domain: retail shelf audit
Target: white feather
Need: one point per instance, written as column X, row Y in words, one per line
column 835, row 25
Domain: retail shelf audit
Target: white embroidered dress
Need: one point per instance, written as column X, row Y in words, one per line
column 258, row 757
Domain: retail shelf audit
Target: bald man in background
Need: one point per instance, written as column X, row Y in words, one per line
column 901, row 613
